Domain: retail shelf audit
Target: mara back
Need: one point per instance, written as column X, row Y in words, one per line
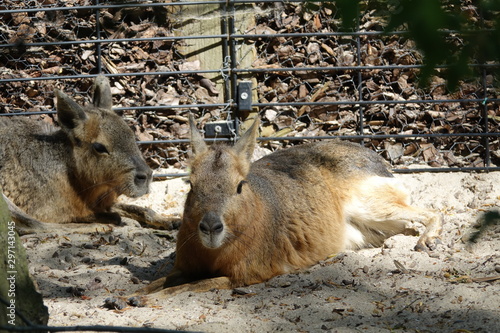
column 62, row 174
column 287, row 211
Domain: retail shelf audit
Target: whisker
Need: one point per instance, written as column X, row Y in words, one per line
column 193, row 234
column 115, row 189
column 97, row 185
column 101, row 198
column 239, row 240
column 244, row 239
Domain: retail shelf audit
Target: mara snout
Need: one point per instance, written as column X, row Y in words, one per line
column 138, row 180
column 246, row 222
column 211, row 230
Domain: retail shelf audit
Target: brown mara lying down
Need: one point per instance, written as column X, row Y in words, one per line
column 75, row 172
column 246, row 222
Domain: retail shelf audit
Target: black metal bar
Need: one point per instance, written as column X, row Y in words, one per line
column 170, row 175
column 249, row 35
column 484, row 112
column 117, row 40
column 136, row 108
column 380, row 136
column 86, row 76
column 14, row 114
column 234, row 70
column 484, row 109
column 334, row 137
column 225, row 105
column 235, row 36
column 232, row 54
column 416, row 101
column 233, row 76
column 402, row 170
column 98, row 36
column 226, row 50
column 173, row 38
column 360, row 77
column 132, row 4
column 166, row 107
column 343, row 68
column 96, row 328
column 350, row 34
column 109, row 6
column 439, row 169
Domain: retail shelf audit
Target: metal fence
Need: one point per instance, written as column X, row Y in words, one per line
column 224, row 61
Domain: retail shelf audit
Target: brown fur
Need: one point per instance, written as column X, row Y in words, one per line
column 294, row 208
column 73, row 173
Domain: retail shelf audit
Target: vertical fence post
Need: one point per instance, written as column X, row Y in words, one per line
column 233, row 77
column 484, row 114
column 484, row 108
column 242, row 56
column 226, row 51
column 98, row 37
column 360, row 75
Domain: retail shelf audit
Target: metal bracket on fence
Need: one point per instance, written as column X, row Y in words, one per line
column 225, row 129
column 244, row 96
column 219, row 129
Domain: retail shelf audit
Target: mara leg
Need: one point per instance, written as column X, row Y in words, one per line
column 433, row 223
column 221, row 282
column 177, row 280
column 25, row 224
column 146, row 216
column 379, row 208
column 161, row 288
column 155, row 291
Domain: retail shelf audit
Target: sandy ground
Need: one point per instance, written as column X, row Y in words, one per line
column 386, row 289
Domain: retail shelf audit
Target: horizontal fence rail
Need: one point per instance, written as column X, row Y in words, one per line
column 309, row 80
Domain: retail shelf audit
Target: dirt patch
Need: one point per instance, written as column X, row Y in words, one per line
column 372, row 290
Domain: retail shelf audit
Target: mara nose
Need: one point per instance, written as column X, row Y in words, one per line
column 211, row 224
column 143, row 172
column 142, row 178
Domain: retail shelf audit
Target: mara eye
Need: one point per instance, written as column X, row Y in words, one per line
column 240, row 185
column 100, row 148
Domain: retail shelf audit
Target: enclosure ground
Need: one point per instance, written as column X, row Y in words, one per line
column 384, row 289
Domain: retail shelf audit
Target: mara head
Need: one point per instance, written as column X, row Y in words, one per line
column 104, row 150
column 218, row 186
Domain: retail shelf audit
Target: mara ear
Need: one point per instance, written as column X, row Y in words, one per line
column 197, row 144
column 69, row 113
column 246, row 144
column 102, row 93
